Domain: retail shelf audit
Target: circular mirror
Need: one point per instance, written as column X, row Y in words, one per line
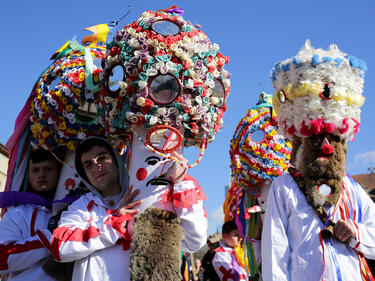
column 86, row 113
column 281, row 95
column 257, row 136
column 324, row 190
column 164, row 138
column 53, row 84
column 164, row 89
column 165, row 28
column 115, row 76
column 218, row 91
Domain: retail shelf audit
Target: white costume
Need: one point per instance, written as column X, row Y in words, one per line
column 226, row 265
column 87, row 234
column 21, row 252
column 291, row 245
column 90, row 234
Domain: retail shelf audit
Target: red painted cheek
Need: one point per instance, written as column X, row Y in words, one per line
column 141, row 174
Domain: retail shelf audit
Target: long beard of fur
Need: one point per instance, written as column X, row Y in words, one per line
column 156, row 246
column 316, row 172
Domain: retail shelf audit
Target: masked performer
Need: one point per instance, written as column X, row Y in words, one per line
column 258, row 155
column 319, row 222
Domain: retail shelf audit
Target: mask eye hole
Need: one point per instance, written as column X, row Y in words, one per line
column 219, row 92
column 86, row 113
column 152, row 162
column 115, row 75
column 326, row 93
column 281, row 96
column 258, row 136
column 165, row 28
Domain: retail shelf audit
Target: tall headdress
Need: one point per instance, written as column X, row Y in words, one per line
column 319, row 91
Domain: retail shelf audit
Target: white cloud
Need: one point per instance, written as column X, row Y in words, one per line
column 215, row 220
column 365, row 158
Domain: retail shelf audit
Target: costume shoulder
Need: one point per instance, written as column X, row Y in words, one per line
column 284, row 183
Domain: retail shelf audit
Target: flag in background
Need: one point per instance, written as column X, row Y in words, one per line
column 101, row 31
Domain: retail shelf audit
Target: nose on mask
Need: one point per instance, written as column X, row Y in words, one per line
column 326, row 148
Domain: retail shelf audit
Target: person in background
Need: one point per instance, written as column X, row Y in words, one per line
column 213, row 242
column 225, row 261
column 22, row 254
column 198, row 271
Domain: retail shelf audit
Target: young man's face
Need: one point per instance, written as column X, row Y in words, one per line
column 43, row 175
column 101, row 170
column 233, row 238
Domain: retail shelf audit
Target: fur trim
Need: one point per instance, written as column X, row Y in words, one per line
column 156, row 246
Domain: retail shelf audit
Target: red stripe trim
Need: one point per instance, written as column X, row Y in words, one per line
column 44, row 240
column 345, row 203
column 82, row 235
column 349, row 196
column 367, row 269
column 53, row 247
column 89, row 206
column 322, row 243
column 32, row 225
column 227, row 274
column 64, row 234
column 189, row 197
column 13, row 248
column 342, row 213
column 219, row 250
column 358, row 239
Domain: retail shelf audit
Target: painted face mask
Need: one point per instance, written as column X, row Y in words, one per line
column 166, row 88
column 162, row 70
column 258, row 155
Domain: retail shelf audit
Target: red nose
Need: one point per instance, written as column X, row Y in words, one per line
column 141, row 174
column 326, row 148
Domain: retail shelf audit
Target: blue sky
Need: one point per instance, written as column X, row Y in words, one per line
column 254, row 34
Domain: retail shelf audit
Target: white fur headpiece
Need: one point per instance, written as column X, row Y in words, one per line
column 319, row 91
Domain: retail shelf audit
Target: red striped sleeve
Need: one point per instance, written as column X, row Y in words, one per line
column 64, row 234
column 13, row 248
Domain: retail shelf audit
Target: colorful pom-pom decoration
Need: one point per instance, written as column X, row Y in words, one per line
column 257, row 154
column 64, row 108
column 322, row 93
column 162, row 70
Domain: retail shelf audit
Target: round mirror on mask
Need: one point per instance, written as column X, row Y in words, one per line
column 115, row 76
column 165, row 28
column 324, row 190
column 219, row 92
column 164, row 139
column 164, row 89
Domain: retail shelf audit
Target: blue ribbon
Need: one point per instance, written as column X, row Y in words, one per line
column 333, row 251
column 338, row 272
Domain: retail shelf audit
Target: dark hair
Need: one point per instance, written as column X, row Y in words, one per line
column 41, row 155
column 228, row 227
column 86, row 146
